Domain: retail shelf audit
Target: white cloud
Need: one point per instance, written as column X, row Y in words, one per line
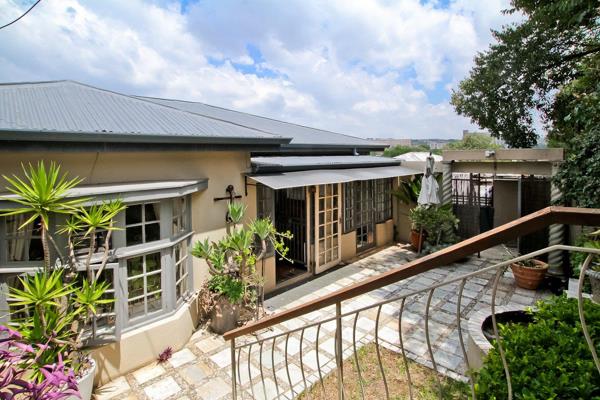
column 363, row 67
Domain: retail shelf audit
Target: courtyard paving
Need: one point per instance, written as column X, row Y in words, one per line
column 202, row 369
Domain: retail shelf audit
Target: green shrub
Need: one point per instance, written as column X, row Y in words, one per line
column 547, row 359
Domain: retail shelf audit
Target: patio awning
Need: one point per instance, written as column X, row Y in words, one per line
column 129, row 191
column 284, row 180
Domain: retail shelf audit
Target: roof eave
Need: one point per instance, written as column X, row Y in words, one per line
column 24, row 135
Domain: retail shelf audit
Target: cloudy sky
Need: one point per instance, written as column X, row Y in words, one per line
column 373, row 68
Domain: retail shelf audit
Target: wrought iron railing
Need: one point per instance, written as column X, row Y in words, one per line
column 294, row 376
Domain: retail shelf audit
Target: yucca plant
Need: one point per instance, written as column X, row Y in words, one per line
column 42, row 191
column 54, row 307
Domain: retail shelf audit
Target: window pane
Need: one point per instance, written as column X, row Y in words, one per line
column 135, row 287
column 134, row 235
column 133, row 214
column 152, row 262
column 154, row 302
column 152, row 232
column 135, row 266
column 153, row 282
column 152, row 212
column 136, row 307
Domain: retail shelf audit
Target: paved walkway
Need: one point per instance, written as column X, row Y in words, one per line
column 202, row 369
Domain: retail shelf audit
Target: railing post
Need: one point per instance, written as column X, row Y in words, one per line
column 233, row 372
column 339, row 358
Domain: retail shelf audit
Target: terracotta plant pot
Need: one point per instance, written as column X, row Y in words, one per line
column 529, row 277
column 224, row 316
column 595, row 283
column 416, row 239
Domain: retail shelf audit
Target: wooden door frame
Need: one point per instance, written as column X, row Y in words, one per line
column 333, row 262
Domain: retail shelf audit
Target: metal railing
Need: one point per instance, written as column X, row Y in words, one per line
column 295, row 377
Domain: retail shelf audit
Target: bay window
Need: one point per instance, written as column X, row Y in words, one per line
column 149, row 272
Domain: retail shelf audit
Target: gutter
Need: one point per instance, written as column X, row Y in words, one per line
column 111, row 137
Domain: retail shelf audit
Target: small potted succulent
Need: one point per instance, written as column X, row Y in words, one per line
column 54, row 308
column 234, row 282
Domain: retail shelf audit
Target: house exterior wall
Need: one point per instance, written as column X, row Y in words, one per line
column 384, row 233
column 348, row 243
column 142, row 345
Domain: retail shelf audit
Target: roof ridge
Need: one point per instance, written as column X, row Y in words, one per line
column 254, row 115
column 34, row 82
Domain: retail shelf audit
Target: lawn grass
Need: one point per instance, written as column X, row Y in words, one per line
column 425, row 384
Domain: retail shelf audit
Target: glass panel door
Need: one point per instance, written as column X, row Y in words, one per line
column 364, row 201
column 327, row 227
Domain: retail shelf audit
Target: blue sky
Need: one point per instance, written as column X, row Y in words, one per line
column 372, row 68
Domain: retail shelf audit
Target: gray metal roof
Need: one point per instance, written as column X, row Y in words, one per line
column 314, row 162
column 286, row 180
column 67, row 110
column 302, row 136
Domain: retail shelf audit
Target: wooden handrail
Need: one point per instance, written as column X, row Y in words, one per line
column 519, row 227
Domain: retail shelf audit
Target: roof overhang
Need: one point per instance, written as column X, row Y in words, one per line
column 25, row 135
column 129, row 192
column 284, row 180
column 302, row 163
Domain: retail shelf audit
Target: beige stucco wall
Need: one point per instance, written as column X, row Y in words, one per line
column 400, row 216
column 384, row 233
column 141, row 346
column 270, row 280
column 348, row 246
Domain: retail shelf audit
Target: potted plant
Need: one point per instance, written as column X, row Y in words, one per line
column 234, row 283
column 528, row 273
column 433, row 227
column 418, row 217
column 54, row 308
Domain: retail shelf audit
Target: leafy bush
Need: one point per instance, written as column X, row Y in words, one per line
column 439, row 223
column 547, row 359
column 591, row 240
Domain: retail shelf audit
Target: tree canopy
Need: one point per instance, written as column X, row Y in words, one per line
column 546, row 66
column 399, row 149
column 475, row 141
column 517, row 78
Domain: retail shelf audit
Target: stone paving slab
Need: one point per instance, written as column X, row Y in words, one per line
column 202, row 369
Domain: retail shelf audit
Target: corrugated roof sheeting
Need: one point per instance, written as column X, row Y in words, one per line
column 66, row 106
column 286, row 180
column 301, row 135
column 309, row 161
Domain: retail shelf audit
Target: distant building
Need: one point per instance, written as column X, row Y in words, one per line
column 391, row 142
column 435, row 144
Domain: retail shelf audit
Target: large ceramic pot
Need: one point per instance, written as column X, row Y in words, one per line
column 416, row 239
column 529, row 277
column 224, row 316
column 86, row 383
column 595, row 282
